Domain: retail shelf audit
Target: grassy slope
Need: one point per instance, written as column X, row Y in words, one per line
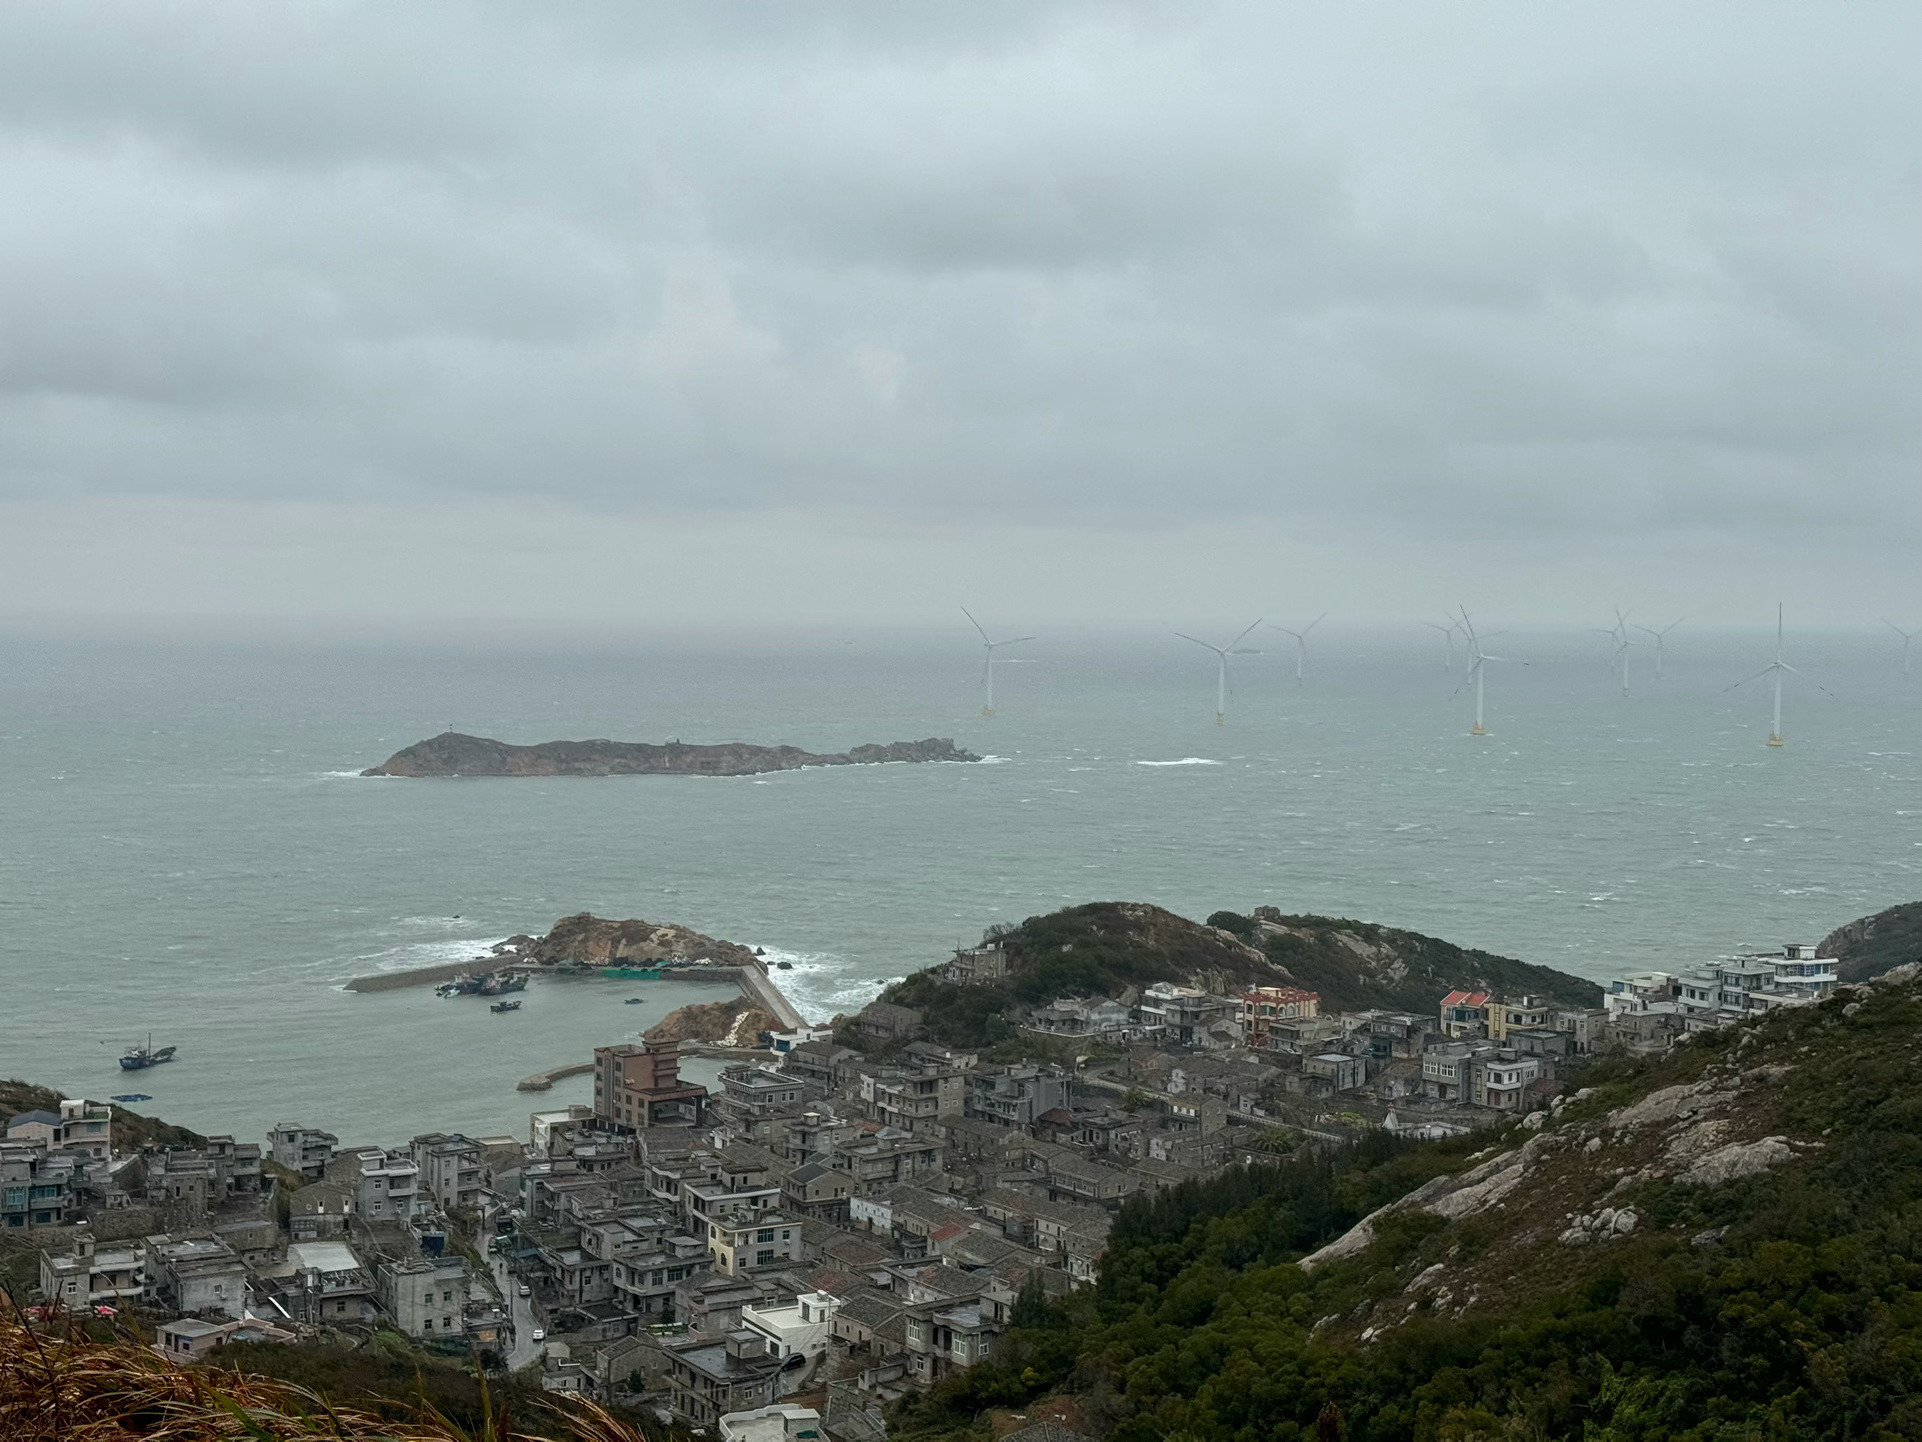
column 1787, row 1305
column 1874, row 944
column 1102, row 947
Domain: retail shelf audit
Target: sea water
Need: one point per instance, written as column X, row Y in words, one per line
column 188, row 850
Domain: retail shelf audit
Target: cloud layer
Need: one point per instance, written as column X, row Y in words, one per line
column 1635, row 274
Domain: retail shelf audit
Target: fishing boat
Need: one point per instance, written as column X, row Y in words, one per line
column 499, row 983
column 131, row 1097
column 142, row 1057
column 505, row 1006
column 634, row 1001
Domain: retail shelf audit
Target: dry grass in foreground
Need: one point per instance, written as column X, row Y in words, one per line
column 59, row 1385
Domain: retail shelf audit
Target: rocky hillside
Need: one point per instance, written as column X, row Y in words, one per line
column 735, row 1022
column 454, row 754
column 1106, row 947
column 1355, row 965
column 130, row 1129
column 1716, row 1243
column 1874, row 944
column 594, row 939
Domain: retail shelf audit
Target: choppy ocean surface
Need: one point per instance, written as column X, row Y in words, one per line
column 189, row 852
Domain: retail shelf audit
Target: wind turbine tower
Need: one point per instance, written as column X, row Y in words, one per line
column 1660, row 636
column 1907, row 636
column 1776, row 668
column 1301, row 645
column 1222, row 653
column 987, row 664
column 1476, row 659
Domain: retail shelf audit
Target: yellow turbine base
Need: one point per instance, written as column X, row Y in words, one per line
column 1775, row 740
column 1221, row 718
column 1477, row 731
column 987, row 711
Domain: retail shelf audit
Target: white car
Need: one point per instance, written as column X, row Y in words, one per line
column 526, row 1291
column 540, row 1335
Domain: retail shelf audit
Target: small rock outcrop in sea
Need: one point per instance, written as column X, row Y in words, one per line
column 454, row 754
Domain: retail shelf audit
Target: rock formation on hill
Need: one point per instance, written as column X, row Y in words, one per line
column 454, row 754
column 1874, row 944
column 735, row 1022
column 589, row 938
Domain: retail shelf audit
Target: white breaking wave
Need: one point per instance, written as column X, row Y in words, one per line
column 819, row 984
column 1184, row 761
column 408, row 955
column 992, row 760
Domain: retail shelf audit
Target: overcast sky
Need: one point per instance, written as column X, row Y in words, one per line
column 791, row 312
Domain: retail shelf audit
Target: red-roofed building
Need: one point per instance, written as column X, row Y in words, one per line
column 1464, row 1013
column 1260, row 1007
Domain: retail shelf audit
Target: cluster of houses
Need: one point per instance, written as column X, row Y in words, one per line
column 844, row 1218
column 201, row 1240
column 1650, row 1009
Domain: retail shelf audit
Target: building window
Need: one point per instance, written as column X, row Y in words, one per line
column 764, row 1257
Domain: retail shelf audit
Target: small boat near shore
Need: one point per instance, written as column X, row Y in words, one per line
column 130, row 1097
column 505, row 1006
column 142, row 1057
column 634, row 1001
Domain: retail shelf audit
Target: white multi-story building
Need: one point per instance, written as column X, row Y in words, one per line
column 799, row 1329
column 1725, row 991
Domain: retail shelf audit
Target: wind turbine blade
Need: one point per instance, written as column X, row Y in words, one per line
column 1905, row 635
column 1285, row 631
column 1246, row 651
column 1649, row 630
column 1484, row 656
column 976, row 624
column 1746, row 679
column 1784, row 666
column 1314, row 623
column 1199, row 642
column 1242, row 637
column 1017, row 640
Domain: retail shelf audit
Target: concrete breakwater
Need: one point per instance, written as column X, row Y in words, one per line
column 418, row 976
column 543, row 1080
column 759, row 988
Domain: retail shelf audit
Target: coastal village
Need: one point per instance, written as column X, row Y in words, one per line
column 855, row 1211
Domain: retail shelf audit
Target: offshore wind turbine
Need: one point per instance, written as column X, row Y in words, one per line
column 987, row 664
column 1660, row 636
column 1301, row 645
column 1619, row 633
column 1907, row 636
column 1476, row 659
column 1448, row 641
column 1777, row 667
column 1222, row 653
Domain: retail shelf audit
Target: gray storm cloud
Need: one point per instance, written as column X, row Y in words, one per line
column 1574, row 277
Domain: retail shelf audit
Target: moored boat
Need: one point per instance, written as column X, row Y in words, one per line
column 505, row 1006
column 141, row 1057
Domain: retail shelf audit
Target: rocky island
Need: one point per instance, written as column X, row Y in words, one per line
column 453, row 754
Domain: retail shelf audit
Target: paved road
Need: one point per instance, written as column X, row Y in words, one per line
column 524, row 1349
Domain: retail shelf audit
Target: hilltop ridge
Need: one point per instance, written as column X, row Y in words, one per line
column 1104, row 948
